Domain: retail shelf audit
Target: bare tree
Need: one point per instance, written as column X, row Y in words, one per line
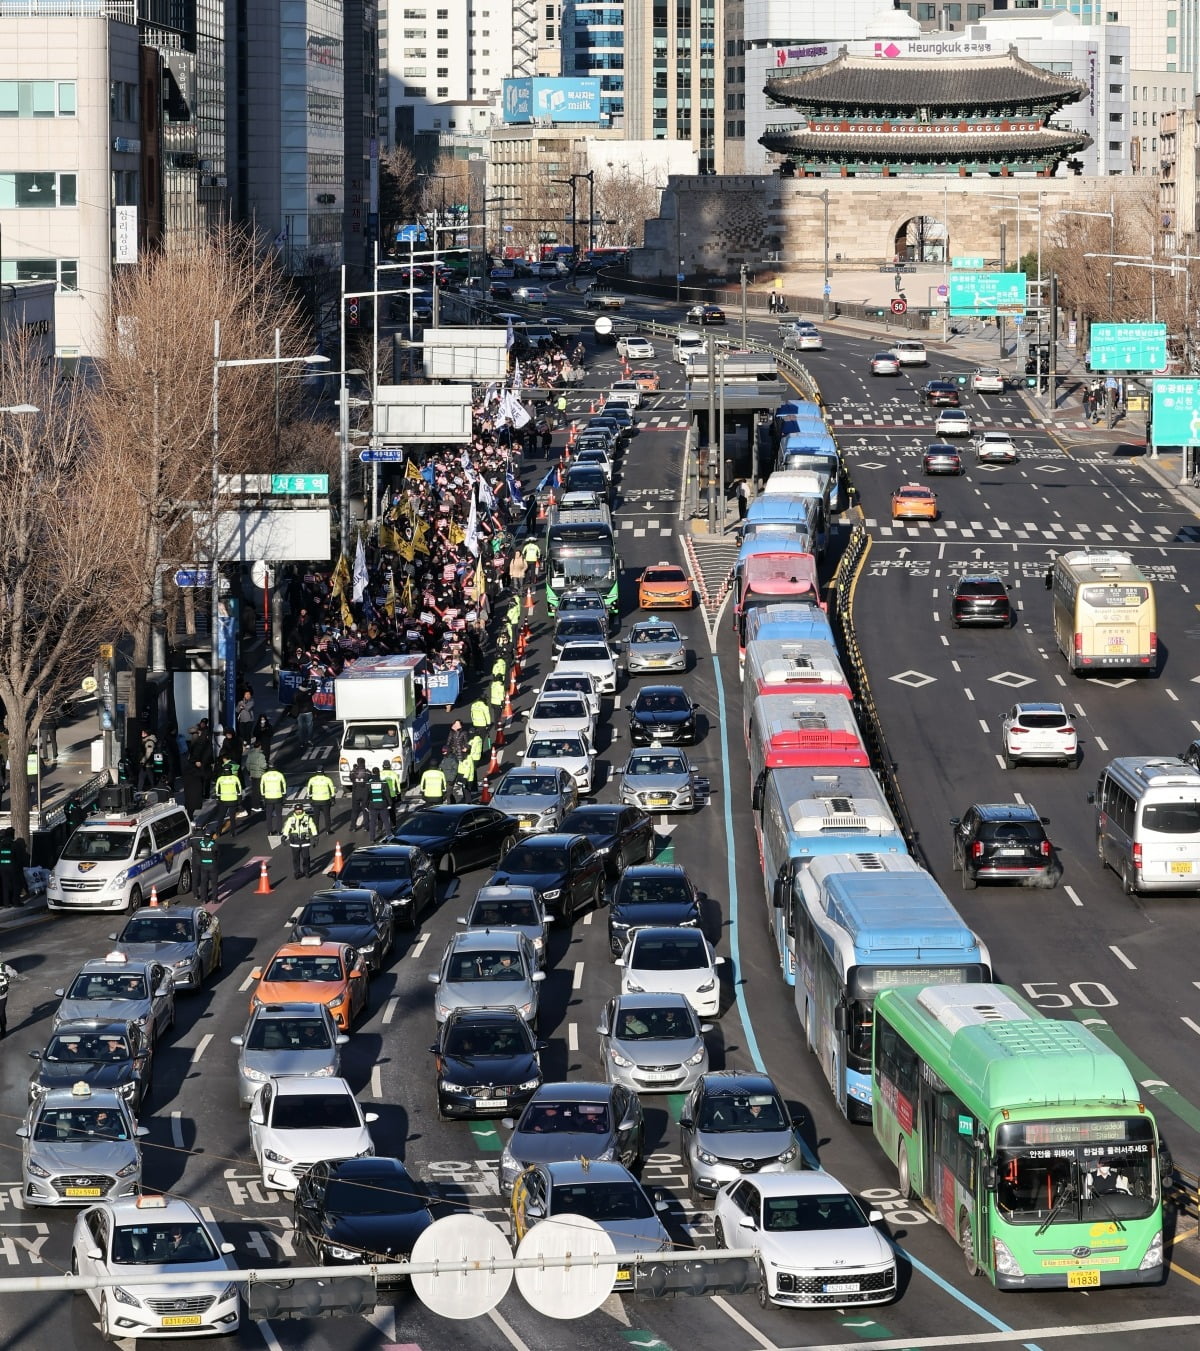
column 625, row 200
column 64, row 550
column 399, row 190
column 1092, row 285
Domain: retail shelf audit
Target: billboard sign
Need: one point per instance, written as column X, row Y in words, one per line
column 987, row 294
column 557, row 100
column 1175, row 412
column 1128, row 347
column 424, row 414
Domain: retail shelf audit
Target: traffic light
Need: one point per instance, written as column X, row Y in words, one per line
column 324, row 1297
column 352, row 312
column 714, row 1276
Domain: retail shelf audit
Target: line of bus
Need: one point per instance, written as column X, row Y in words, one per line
column 769, row 575
column 862, row 923
column 1104, row 614
column 1024, row 1136
column 809, row 729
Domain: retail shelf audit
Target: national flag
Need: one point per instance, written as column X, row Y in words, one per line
column 550, row 481
column 514, row 491
column 361, row 580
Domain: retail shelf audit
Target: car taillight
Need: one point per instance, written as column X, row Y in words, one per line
column 1153, row 642
column 1066, row 731
column 977, row 849
column 1015, row 731
column 1045, row 848
column 1079, row 644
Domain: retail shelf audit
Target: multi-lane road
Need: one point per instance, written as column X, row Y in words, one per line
column 1082, row 950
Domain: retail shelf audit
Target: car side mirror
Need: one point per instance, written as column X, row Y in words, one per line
column 875, row 1217
column 747, row 1222
column 720, row 961
column 685, row 1120
column 257, row 1117
column 112, row 938
column 507, row 1122
column 434, row 978
column 226, row 1248
column 956, row 820
column 706, row 1027
column 1045, row 820
column 368, row 1117
column 163, row 990
column 141, row 1131
column 1091, row 797
column 22, row 1132
column 799, row 1122
column 538, row 976
column 602, row 1028
column 462, row 919
column 534, row 1212
column 59, row 993
column 239, row 1040
column 630, row 1123
column 341, row 1039
column 662, row 1206
column 256, row 974
column 619, row 962
column 95, row 1255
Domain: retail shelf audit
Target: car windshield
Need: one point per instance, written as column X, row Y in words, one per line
column 427, row 823
column 388, row 1194
column 504, row 913
column 107, row 985
column 568, row 684
column 742, row 1112
column 368, row 870
column 527, row 785
column 662, row 633
column 314, row 1112
column 581, row 624
column 337, row 912
column 92, row 1049
column 472, row 967
column 981, row 588
column 653, row 891
column 1043, row 720
column 299, row 968
column 582, row 1118
column 99, row 844
column 483, row 1041
column 661, row 701
column 566, row 706
column 669, row 1024
column 591, row 822
column 586, row 652
column 183, row 1241
column 79, row 1123
column 288, row 1034
column 683, row 953
column 601, row 1201
column 524, row 858
column 790, row 1214
column 366, row 737
column 650, row 766
column 159, row 929
column 1172, row 818
column 555, row 748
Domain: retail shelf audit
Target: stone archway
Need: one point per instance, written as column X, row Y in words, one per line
column 920, row 239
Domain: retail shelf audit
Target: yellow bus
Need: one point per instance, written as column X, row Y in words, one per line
column 1104, row 617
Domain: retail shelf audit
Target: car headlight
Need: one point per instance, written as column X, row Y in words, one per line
column 697, row 1058
column 608, row 1156
column 632, row 987
column 528, row 1086
column 123, row 1296
column 619, row 1060
column 1006, row 1264
column 183, row 964
column 603, row 849
column 255, row 1076
column 705, row 1157
column 230, row 1292
column 447, row 1087
column 323, row 1073
column 129, row 1170
column 272, row 1157
column 526, row 1010
column 1153, row 1257
column 333, row 1003
column 552, row 895
column 366, row 951
column 342, row 1254
column 121, row 878
column 789, row 1153
column 36, row 1169
column 707, row 988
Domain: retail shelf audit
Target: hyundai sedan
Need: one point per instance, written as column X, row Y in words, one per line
column 537, row 797
column 673, row 961
column 656, row 645
column 652, row 1043
column 295, row 1123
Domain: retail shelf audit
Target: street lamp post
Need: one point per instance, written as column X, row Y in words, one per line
column 1111, row 216
column 826, row 286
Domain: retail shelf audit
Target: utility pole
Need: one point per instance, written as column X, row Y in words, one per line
column 710, row 361
column 744, row 279
column 1003, row 264
column 825, row 288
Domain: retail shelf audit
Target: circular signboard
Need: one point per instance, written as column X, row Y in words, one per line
column 943, row 290
column 461, row 1294
column 899, row 305
column 567, row 1292
column 603, row 325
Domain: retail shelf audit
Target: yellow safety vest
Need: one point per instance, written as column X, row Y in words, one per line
column 481, row 714
column 228, row 788
column 272, row 785
column 433, row 783
column 319, row 788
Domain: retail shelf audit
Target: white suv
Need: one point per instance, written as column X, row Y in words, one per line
column 634, row 348
column 1042, row 732
column 995, row 448
column 910, row 353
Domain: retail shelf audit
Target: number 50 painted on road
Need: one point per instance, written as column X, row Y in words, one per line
column 1047, row 995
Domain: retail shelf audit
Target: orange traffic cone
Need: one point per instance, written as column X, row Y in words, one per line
column 264, row 881
column 529, row 600
column 485, row 793
column 541, row 511
column 508, row 709
column 153, row 895
column 338, row 862
column 494, row 762
column 499, row 738
column 512, row 682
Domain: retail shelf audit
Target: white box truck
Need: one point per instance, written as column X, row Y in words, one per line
column 375, row 700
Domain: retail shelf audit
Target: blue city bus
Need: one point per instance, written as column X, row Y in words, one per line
column 786, row 619
column 808, row 812
column 863, row 923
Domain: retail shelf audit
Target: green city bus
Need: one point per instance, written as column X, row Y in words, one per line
column 581, row 551
column 1022, row 1135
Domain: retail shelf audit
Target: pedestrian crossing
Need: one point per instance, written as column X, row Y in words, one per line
column 1053, row 533
column 640, row 529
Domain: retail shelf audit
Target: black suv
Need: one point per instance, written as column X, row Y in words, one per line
column 981, row 598
column 1004, row 842
column 940, row 394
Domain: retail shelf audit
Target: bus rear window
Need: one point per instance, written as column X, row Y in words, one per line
column 1114, row 597
column 1172, row 818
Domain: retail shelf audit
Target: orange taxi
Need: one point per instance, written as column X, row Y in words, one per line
column 647, row 381
column 665, row 586
column 914, row 502
column 313, row 971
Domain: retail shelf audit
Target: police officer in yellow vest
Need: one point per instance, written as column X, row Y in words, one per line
column 475, row 750
column 481, row 720
column 500, row 668
column 392, row 779
column 496, row 696
column 433, row 786
column 228, row 791
column 513, row 617
column 466, row 779
column 532, row 554
column 273, row 787
column 299, row 831
column 321, row 791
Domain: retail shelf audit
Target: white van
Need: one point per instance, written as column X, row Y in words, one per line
column 114, row 858
column 688, row 343
column 1148, row 823
column 908, row 352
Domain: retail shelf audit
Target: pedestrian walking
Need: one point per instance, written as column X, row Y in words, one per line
column 743, row 498
column 145, row 773
column 206, row 865
column 7, row 974
column 517, row 570
column 10, row 875
column 299, row 830
column 256, row 766
column 302, row 707
column 378, row 802
column 263, row 732
column 273, row 789
column 320, row 790
column 193, row 786
column 228, row 789
column 244, row 714
column 360, row 781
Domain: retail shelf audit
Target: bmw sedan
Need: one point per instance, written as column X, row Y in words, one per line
column 486, row 1063
column 564, row 870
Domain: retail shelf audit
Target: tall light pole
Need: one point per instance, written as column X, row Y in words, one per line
column 570, row 183
column 218, row 365
column 679, row 238
column 826, row 287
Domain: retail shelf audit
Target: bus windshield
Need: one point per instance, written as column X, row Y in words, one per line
column 1058, row 1172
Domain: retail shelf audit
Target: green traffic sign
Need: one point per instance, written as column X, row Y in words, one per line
column 1175, row 412
column 1128, row 347
column 986, row 294
column 300, row 485
column 967, row 264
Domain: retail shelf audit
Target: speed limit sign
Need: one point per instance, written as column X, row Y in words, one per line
column 899, row 305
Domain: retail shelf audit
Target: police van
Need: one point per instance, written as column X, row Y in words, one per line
column 115, row 857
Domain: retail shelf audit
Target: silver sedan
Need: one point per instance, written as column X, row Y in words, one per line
column 655, row 645
column 652, row 1043
column 536, row 797
column 657, row 778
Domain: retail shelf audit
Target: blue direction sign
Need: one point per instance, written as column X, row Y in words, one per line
column 385, row 455
column 411, row 234
column 986, row 294
column 1128, row 347
column 1176, row 412
column 189, row 577
column 304, row 485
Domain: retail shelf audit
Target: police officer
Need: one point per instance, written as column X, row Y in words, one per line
column 433, row 786
column 496, row 697
column 532, row 554
column 500, row 667
column 10, row 875
column 379, row 802
column 466, row 779
column 512, row 616
column 321, row 791
column 299, row 830
column 273, row 787
column 228, row 791
column 205, row 864
column 391, row 781
column 359, row 795
column 481, row 719
column 475, row 749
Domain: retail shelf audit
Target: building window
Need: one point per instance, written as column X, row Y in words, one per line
column 1171, row 18
column 37, row 98
column 39, row 191
column 1118, row 89
column 414, row 53
column 1117, row 118
column 443, row 53
column 1114, row 145
column 1111, row 16
column 123, row 101
column 64, row 272
column 952, row 12
column 414, row 72
column 418, row 13
column 414, row 91
column 976, row 11
column 443, row 13
column 443, row 72
column 1171, row 46
column 926, row 12
column 1119, row 60
column 443, row 92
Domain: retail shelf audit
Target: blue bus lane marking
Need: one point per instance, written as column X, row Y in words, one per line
column 744, row 1011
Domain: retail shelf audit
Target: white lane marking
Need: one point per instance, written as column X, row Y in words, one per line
column 945, row 640
column 1172, row 695
column 1120, row 956
column 506, row 1331
column 1100, row 743
column 201, row 1047
column 177, row 1129
column 577, row 979
column 572, row 1036
column 937, row 619
column 246, row 984
column 1079, row 711
column 969, row 695
column 1073, row 895
column 419, row 946
column 1062, row 680
column 376, row 1082
column 984, row 726
column 744, row 1323
column 955, row 667
column 1018, row 798
column 587, row 919
column 1194, row 1026
column 389, row 1009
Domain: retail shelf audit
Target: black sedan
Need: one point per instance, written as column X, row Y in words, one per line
column 663, row 714
column 486, row 1062
column 940, row 394
column 565, row 871
column 360, row 918
column 358, row 1211
column 584, row 478
column 99, row 1052
column 706, row 314
column 621, row 835
column 459, row 836
column 651, row 895
column 401, row 873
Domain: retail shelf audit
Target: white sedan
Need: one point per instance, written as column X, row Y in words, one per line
column 987, row 380
column 593, row 657
column 952, row 422
column 673, row 961
column 295, row 1123
column 555, row 711
column 563, row 749
column 995, row 448
column 817, row 1246
column 634, row 348
column 145, row 1236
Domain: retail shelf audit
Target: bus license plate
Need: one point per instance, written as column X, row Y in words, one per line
column 623, row 1274
column 841, row 1288
column 182, row 1320
column 1181, row 866
column 1077, row 1279
column 81, row 1191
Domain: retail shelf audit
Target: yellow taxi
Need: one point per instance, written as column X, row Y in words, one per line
column 914, row 502
column 314, row 971
column 665, row 586
column 647, row 381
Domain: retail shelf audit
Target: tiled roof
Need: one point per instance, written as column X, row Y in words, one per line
column 867, row 82
column 953, row 148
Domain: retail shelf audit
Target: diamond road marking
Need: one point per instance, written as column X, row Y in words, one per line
column 1113, row 682
column 915, row 680
column 871, row 464
column 1050, row 468
column 1012, row 680
column 992, row 468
